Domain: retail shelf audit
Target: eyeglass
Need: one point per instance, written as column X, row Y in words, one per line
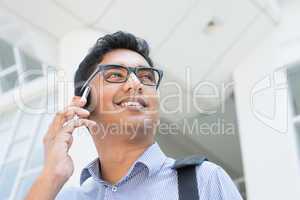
column 114, row 73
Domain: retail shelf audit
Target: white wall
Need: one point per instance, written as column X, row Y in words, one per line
column 268, row 140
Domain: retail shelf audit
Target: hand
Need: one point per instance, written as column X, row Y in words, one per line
column 58, row 140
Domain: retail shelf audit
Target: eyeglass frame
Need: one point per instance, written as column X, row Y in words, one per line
column 130, row 70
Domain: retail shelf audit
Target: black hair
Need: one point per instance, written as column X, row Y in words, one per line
column 105, row 44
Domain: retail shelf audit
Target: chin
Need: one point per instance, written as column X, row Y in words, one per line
column 135, row 119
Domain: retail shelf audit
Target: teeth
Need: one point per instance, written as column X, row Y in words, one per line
column 131, row 103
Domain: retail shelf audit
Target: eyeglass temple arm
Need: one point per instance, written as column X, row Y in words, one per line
column 90, row 78
column 160, row 77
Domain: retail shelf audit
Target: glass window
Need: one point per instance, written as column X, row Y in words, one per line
column 9, row 81
column 25, row 185
column 27, row 125
column 7, row 58
column 7, row 120
column 51, row 68
column 6, row 128
column 18, row 150
column 5, row 138
column 52, row 103
column 30, row 116
column 7, row 178
column 36, row 158
column 32, row 67
column 294, row 86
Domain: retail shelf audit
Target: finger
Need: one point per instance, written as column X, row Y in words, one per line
column 71, row 125
column 93, row 127
column 78, row 101
column 72, row 111
column 65, row 138
column 56, row 124
column 62, row 117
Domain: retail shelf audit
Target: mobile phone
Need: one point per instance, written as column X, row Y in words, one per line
column 85, row 95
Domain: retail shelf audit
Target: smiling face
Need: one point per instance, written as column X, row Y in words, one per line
column 128, row 104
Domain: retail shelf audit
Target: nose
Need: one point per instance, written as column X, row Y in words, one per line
column 133, row 84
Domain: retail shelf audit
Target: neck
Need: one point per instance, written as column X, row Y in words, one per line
column 117, row 156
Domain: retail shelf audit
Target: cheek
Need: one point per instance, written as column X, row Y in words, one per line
column 153, row 100
column 107, row 94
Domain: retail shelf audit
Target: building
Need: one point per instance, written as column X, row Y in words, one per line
column 231, row 80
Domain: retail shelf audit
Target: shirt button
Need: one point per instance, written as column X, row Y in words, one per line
column 114, row 188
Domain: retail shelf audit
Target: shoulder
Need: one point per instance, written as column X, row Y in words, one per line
column 69, row 193
column 87, row 190
column 207, row 170
column 215, row 183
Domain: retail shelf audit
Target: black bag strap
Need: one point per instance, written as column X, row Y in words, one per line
column 187, row 179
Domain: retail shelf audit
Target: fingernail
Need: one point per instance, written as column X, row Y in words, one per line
column 83, row 100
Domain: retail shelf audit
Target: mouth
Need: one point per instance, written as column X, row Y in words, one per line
column 136, row 103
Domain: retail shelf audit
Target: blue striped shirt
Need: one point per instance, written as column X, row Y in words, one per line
column 151, row 177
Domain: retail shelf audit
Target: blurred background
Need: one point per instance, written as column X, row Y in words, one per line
column 231, row 86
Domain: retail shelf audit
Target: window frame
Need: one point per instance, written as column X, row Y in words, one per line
column 30, row 88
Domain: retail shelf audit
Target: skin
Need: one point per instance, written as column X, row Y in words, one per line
column 117, row 152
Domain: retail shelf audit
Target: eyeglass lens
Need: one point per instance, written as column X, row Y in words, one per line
column 118, row 74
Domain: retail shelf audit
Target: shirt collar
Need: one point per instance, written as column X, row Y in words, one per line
column 153, row 159
column 91, row 170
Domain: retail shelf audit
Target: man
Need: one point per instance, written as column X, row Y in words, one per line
column 122, row 119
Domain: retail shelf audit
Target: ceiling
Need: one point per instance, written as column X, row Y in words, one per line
column 191, row 40
column 194, row 35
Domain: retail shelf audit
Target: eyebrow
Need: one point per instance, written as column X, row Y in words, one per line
column 122, row 64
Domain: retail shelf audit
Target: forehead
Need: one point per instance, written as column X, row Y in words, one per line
column 124, row 57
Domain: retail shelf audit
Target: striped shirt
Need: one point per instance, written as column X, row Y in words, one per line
column 151, row 177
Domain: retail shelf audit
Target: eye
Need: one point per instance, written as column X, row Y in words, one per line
column 147, row 76
column 114, row 76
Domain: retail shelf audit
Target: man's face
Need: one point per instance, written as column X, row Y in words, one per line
column 128, row 104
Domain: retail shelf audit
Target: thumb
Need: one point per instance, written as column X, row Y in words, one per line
column 92, row 126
